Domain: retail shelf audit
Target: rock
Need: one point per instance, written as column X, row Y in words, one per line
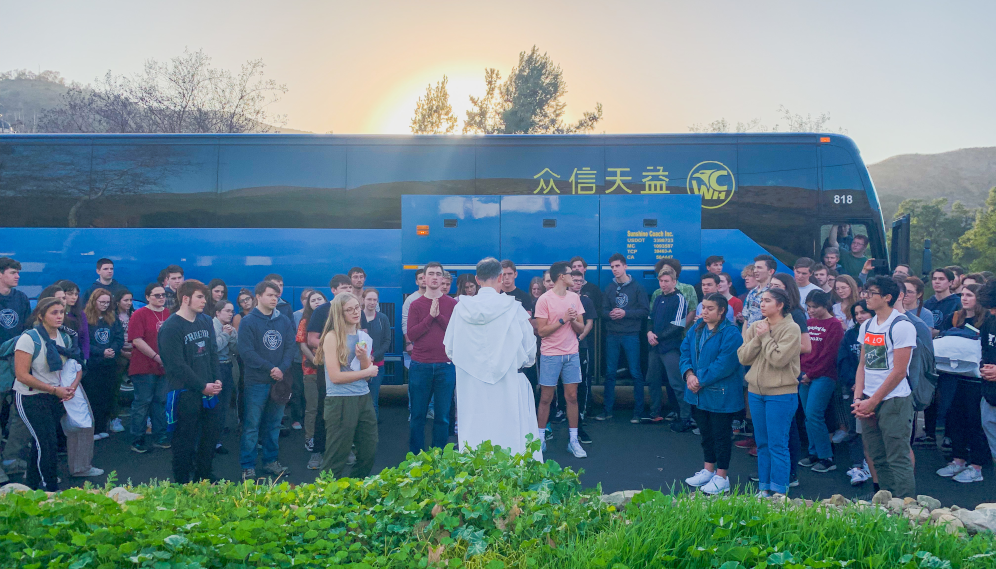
column 620, row 498
column 838, row 500
column 928, row 502
column 15, row 487
column 863, row 503
column 918, row 514
column 799, row 502
column 882, row 497
column 989, row 506
column 978, row 520
column 935, row 514
column 907, row 502
column 121, row 495
column 896, row 505
column 951, row 524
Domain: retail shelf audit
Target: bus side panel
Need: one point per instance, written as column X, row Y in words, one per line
column 737, row 250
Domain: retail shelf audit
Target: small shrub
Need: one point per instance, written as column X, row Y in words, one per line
column 438, row 506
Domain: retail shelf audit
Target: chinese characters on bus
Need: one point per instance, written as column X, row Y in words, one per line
column 584, row 181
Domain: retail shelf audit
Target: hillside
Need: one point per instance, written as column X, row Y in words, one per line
column 960, row 175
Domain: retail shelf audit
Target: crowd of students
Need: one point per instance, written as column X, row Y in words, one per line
column 798, row 366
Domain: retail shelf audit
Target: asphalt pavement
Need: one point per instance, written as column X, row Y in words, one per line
column 622, row 456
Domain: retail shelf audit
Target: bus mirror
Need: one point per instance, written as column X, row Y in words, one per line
column 927, row 262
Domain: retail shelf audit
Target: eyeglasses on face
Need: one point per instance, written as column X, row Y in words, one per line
column 351, row 309
column 158, row 295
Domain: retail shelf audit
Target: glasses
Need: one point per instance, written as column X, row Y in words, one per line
column 159, row 295
column 351, row 309
column 103, row 302
column 873, row 293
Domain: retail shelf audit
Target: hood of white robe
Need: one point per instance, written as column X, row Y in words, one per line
column 486, row 333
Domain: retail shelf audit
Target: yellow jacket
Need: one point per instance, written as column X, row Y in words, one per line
column 773, row 358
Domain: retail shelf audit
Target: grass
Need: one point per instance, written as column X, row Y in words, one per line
column 741, row 531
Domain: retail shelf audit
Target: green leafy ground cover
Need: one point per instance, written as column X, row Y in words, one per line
column 482, row 509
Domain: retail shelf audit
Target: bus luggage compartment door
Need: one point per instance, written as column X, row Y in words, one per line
column 647, row 228
column 456, row 231
column 537, row 231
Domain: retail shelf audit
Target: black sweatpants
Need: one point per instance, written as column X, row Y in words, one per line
column 717, row 436
column 41, row 413
column 197, row 431
column 964, row 424
column 101, row 385
column 320, row 419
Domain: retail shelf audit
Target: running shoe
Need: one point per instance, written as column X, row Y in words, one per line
column 700, row 478
column 574, row 447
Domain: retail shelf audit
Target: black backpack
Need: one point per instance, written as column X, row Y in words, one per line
column 922, row 375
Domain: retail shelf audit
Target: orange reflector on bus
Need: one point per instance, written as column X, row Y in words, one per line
column 410, row 267
column 824, row 139
column 422, row 230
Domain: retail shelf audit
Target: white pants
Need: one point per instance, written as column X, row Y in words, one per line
column 989, row 424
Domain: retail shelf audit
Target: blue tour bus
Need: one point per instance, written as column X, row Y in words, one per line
column 238, row 207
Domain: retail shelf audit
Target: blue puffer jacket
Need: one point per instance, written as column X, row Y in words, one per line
column 716, row 365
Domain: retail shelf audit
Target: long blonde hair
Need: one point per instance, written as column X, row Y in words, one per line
column 336, row 322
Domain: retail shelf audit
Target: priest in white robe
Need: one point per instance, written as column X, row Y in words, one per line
column 488, row 339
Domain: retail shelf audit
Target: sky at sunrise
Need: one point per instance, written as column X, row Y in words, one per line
column 898, row 76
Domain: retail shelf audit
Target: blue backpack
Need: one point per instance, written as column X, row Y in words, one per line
column 922, row 376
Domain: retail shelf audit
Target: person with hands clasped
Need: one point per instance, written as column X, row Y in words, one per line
column 883, row 398
column 714, row 387
column 266, row 341
column 347, row 355
column 771, row 347
column 39, row 356
column 189, row 354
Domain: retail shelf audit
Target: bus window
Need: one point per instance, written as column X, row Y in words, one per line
column 843, row 192
column 45, row 185
column 844, row 260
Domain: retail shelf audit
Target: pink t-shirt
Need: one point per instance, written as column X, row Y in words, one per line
column 564, row 341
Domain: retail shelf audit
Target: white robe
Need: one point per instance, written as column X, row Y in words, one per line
column 489, row 339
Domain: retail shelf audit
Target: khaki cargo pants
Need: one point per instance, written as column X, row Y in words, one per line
column 887, row 444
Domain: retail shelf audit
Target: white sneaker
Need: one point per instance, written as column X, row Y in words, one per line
column 701, row 477
column 103, row 435
column 951, row 469
column 574, row 448
column 717, row 485
column 94, row 471
column 859, row 476
column 116, row 426
column 838, row 436
column 970, row 474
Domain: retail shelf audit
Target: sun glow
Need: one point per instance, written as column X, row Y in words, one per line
column 393, row 115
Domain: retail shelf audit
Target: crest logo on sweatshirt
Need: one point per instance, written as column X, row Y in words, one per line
column 102, row 335
column 622, row 300
column 272, row 340
column 8, row 318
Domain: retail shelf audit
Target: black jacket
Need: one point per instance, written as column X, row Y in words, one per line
column 15, row 310
column 379, row 331
column 632, row 298
column 266, row 342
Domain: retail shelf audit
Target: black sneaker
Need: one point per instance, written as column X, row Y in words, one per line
column 162, row 443
column 220, row 450
column 560, row 417
column 309, row 445
column 139, row 447
column 583, row 436
column 793, row 481
column 755, row 477
column 672, row 416
column 824, row 465
column 808, row 462
column 925, row 441
column 682, row 426
column 946, row 444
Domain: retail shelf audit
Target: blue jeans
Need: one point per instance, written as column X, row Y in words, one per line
column 261, row 423
column 227, row 392
column 375, row 390
column 149, row 402
column 427, row 381
column 630, row 345
column 772, row 416
column 815, row 398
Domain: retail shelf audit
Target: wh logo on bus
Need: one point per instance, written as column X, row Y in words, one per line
column 713, row 181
